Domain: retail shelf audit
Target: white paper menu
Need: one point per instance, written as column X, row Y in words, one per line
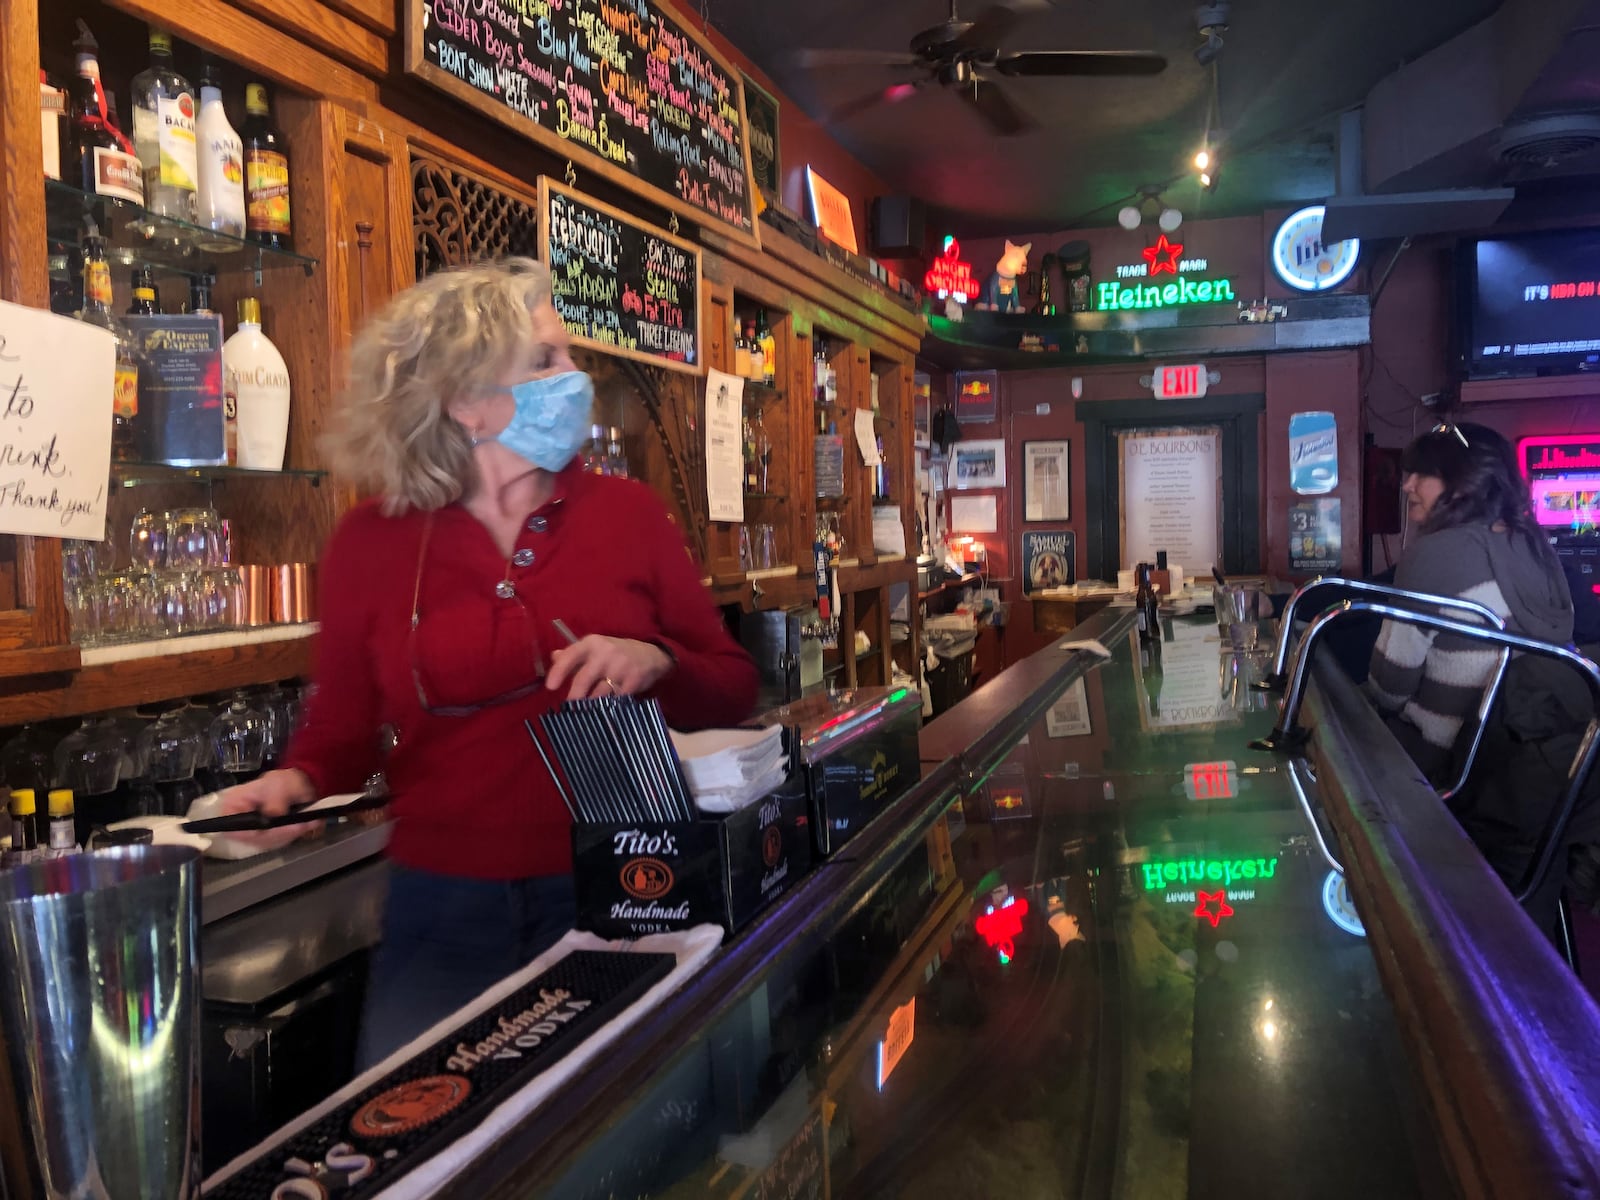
column 56, row 377
column 724, row 446
column 867, row 438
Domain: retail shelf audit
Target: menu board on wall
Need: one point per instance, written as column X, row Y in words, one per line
column 622, row 86
column 620, row 285
column 1172, row 497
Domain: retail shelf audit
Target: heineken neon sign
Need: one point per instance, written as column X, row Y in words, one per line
column 1182, row 288
column 1197, row 871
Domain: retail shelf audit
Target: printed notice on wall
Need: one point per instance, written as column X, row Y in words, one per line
column 56, row 377
column 1172, row 497
column 724, row 447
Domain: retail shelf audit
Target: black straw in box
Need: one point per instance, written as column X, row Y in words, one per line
column 644, row 860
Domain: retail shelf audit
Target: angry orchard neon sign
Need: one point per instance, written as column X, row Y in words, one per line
column 1164, row 258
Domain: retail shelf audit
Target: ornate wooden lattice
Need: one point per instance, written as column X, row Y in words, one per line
column 457, row 219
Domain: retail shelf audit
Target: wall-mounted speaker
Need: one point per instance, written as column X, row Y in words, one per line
column 899, row 227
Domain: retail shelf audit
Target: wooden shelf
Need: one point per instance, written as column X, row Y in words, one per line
column 121, row 676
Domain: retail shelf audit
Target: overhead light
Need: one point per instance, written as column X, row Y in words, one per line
column 1208, row 51
column 1202, row 159
column 1169, row 220
column 1206, row 179
column 1129, row 217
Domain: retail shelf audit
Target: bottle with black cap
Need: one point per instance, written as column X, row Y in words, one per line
column 1147, row 606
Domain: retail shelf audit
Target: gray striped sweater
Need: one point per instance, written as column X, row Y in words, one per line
column 1429, row 684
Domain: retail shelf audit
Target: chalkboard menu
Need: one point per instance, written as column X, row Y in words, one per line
column 623, row 86
column 620, row 285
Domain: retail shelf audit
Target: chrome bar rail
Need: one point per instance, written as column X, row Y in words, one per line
column 1288, row 734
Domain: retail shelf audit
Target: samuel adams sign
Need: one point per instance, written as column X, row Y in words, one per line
column 623, row 86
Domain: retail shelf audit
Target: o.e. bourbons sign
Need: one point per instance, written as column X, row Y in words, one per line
column 365, row 1144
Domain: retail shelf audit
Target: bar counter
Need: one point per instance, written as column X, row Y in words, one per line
column 1096, row 951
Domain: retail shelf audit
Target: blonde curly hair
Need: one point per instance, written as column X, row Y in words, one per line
column 454, row 336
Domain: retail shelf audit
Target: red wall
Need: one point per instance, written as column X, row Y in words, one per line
column 1237, row 249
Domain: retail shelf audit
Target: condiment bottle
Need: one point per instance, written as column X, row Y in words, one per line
column 63, row 819
column 24, row 824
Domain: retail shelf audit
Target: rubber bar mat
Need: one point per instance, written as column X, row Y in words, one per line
column 423, row 1105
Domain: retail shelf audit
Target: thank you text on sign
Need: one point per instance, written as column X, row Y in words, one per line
column 55, row 424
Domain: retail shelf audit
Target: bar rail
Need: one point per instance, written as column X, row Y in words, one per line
column 1504, row 1036
column 800, row 921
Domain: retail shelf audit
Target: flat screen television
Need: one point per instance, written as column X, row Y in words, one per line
column 1530, row 304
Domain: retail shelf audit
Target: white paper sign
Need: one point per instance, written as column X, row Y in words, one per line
column 1171, row 499
column 867, row 438
column 56, row 376
column 724, row 446
column 974, row 514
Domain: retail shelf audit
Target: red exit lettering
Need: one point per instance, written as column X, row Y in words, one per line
column 1181, row 383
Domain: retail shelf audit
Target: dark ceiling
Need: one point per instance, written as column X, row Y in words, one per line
column 1287, row 68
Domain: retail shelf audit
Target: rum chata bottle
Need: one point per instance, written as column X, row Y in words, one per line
column 164, row 134
column 266, row 174
column 97, row 311
column 106, row 164
column 257, row 377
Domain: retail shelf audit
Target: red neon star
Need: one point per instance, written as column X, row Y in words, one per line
column 1203, row 909
column 1163, row 256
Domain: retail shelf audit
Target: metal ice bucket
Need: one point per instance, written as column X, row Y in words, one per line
column 100, row 1026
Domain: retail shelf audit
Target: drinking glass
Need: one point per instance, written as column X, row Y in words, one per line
column 147, row 540
column 194, row 537
column 89, row 759
column 80, row 561
column 25, row 761
column 82, row 613
column 117, row 607
column 746, row 556
column 239, row 737
column 171, row 747
column 1239, row 605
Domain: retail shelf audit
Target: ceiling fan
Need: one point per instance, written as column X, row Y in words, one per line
column 964, row 55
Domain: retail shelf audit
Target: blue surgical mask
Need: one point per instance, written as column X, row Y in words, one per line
column 551, row 421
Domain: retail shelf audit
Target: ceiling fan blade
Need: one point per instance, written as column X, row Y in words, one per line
column 812, row 59
column 993, row 25
column 995, row 107
column 1081, row 62
column 892, row 94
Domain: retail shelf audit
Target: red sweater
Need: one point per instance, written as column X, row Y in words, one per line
column 471, row 795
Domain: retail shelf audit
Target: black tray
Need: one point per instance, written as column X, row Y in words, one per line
column 423, row 1105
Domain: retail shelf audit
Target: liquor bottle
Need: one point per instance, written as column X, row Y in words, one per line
column 146, row 300
column 97, row 311
column 616, row 456
column 741, row 354
column 830, row 387
column 594, row 454
column 769, row 349
column 266, row 174
column 164, row 133
column 1154, row 674
column 749, row 441
column 55, row 125
column 200, row 294
column 761, row 445
column 221, row 179
column 256, row 375
column 1147, row 606
column 758, row 359
column 106, row 164
column 63, row 823
column 819, row 375
column 24, row 825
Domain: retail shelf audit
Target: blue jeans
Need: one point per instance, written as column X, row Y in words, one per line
column 446, row 940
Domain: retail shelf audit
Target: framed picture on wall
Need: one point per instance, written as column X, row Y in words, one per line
column 978, row 464
column 1046, row 491
column 977, row 397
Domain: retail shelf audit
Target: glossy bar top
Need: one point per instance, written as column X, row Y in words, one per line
column 1116, row 966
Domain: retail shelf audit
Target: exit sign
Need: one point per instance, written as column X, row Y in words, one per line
column 1179, row 383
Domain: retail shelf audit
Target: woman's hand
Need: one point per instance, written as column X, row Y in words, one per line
column 273, row 795
column 602, row 666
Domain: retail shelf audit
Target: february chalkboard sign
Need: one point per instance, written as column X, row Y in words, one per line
column 622, row 85
column 620, row 285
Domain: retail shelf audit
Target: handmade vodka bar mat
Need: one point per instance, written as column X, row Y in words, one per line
column 419, row 1108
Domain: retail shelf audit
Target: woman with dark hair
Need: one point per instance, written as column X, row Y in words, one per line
column 1479, row 542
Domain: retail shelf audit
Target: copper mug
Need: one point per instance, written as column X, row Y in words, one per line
column 292, row 593
column 258, row 591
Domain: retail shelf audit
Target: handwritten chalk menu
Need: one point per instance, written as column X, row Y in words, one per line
column 623, row 86
column 56, row 376
column 620, row 285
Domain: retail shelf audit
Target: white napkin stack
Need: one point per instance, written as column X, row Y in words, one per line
column 730, row 768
